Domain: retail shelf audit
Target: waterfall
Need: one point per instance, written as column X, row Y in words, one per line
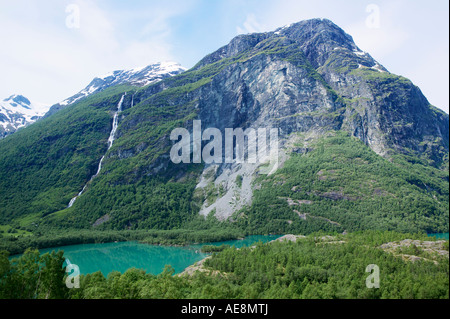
column 132, row 98
column 75, row 198
column 111, row 139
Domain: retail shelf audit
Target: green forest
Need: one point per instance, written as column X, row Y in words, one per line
column 315, row 267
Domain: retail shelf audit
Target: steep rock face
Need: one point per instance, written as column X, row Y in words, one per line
column 311, row 74
column 384, row 110
column 261, row 92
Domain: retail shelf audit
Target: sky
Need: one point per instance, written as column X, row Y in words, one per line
column 51, row 49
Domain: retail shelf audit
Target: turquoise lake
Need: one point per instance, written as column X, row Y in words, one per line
column 439, row 235
column 121, row 256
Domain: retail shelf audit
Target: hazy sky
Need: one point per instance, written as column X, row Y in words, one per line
column 51, row 49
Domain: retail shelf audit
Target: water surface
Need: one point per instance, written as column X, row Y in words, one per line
column 439, row 235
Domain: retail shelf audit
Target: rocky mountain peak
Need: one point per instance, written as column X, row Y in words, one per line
column 17, row 111
column 316, row 38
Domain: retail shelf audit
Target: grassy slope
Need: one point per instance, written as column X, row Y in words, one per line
column 45, row 164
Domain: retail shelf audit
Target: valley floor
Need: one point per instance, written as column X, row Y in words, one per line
column 363, row 265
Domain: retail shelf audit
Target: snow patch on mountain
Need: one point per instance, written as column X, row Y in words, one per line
column 140, row 76
column 17, row 111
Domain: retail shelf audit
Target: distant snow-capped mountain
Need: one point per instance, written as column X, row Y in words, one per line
column 138, row 76
column 17, row 111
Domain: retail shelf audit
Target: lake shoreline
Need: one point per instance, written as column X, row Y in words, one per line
column 161, row 243
column 141, row 237
column 178, row 237
column 121, row 256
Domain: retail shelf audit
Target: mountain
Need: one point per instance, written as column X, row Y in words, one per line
column 17, row 111
column 141, row 76
column 359, row 147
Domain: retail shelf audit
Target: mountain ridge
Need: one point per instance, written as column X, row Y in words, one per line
column 308, row 80
column 139, row 77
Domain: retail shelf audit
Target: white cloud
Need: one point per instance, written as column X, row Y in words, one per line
column 379, row 42
column 434, row 66
column 142, row 53
column 96, row 28
column 48, row 62
column 251, row 25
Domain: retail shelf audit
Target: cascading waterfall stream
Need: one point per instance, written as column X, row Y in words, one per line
column 111, row 139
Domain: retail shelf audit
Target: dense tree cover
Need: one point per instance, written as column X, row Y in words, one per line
column 197, row 231
column 154, row 203
column 48, row 163
column 315, row 267
column 214, row 249
column 339, row 184
column 341, row 180
column 32, row 276
column 44, row 164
